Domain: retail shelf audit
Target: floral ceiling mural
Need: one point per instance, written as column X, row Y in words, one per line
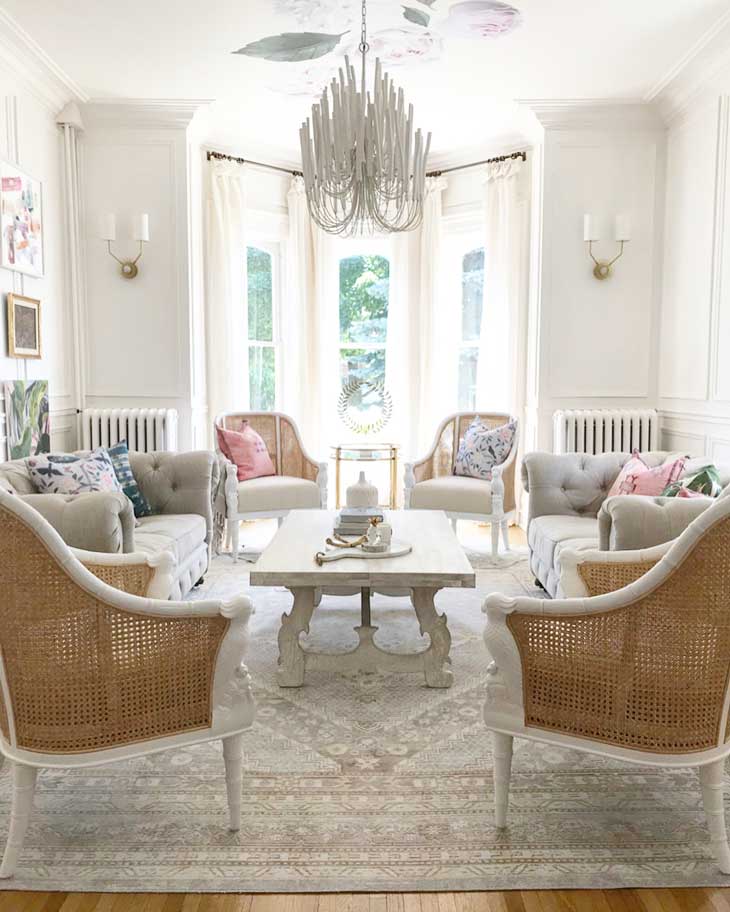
column 412, row 31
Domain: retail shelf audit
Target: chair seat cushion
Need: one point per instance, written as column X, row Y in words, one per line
column 277, row 492
column 179, row 533
column 548, row 536
column 453, row 493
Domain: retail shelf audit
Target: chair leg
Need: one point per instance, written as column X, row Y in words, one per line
column 712, row 798
column 233, row 759
column 505, row 534
column 24, row 780
column 235, row 531
column 495, row 537
column 502, row 751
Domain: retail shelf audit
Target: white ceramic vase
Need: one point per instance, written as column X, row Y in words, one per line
column 362, row 493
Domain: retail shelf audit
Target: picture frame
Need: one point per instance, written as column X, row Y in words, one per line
column 21, row 221
column 24, row 327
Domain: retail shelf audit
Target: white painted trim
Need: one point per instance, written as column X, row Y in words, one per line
column 146, row 113
column 594, row 113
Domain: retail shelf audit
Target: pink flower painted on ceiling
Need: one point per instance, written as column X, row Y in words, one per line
column 481, row 19
column 398, row 46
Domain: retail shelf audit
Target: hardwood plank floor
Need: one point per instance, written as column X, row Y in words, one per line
column 710, row 899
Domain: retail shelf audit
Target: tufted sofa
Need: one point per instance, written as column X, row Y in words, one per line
column 568, row 509
column 179, row 487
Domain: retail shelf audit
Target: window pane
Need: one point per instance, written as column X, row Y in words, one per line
column 362, row 364
column 472, row 294
column 260, row 309
column 468, row 359
column 261, row 378
column 364, row 290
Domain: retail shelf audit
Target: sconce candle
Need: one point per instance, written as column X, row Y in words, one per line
column 108, row 227
column 140, row 233
column 590, row 231
column 141, row 227
column 623, row 228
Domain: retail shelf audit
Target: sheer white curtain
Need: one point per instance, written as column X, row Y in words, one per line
column 310, row 327
column 422, row 343
column 501, row 365
column 226, row 305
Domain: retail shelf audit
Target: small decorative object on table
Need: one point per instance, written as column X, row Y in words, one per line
column 356, row 520
column 362, row 493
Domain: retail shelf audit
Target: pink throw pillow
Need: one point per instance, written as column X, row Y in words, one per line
column 247, row 450
column 637, row 478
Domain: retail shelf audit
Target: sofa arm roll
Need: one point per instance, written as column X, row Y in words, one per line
column 631, row 522
column 178, row 482
column 97, row 521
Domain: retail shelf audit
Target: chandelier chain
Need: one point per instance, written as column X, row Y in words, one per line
column 364, row 46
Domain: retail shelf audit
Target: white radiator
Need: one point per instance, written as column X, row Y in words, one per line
column 605, row 431
column 145, row 430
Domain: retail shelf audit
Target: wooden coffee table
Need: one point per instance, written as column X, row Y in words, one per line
column 436, row 562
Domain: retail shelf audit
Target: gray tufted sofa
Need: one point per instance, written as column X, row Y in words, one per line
column 569, row 509
column 179, row 487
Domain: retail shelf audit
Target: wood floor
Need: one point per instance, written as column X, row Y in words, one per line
column 695, row 900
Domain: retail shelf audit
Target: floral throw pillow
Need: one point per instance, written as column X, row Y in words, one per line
column 119, row 455
column 64, row 473
column 705, row 483
column 483, row 448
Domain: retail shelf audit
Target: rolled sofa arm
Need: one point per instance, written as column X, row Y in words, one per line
column 630, row 522
column 97, row 521
column 179, row 482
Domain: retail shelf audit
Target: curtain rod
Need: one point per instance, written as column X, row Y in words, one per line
column 221, row 156
column 487, row 161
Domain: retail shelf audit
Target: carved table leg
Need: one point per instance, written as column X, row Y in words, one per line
column 291, row 655
column 436, row 659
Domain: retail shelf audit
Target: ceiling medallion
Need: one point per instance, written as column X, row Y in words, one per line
column 364, row 167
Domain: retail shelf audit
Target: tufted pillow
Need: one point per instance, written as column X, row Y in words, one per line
column 247, row 450
column 637, row 478
column 63, row 473
column 483, row 448
column 119, row 455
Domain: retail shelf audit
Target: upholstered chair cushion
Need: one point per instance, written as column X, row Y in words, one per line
column 453, row 493
column 247, row 451
column 181, row 535
column 277, row 492
column 548, row 536
column 66, row 473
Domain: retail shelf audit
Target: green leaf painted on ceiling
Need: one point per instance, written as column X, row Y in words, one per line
column 416, row 16
column 428, row 3
column 292, row 47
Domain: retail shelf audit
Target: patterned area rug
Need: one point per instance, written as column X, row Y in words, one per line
column 365, row 783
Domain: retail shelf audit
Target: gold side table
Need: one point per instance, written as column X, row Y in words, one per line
column 367, row 452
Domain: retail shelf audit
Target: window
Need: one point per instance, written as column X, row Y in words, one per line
column 472, row 305
column 364, row 290
column 262, row 263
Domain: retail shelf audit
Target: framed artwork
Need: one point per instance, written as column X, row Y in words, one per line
column 24, row 327
column 27, row 419
column 21, row 221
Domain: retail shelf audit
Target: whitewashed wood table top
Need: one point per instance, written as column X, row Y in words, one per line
column 437, row 559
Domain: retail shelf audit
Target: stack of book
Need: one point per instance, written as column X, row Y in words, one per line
column 355, row 520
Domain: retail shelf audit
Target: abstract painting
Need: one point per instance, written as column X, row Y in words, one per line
column 21, row 221
column 27, row 424
column 24, row 327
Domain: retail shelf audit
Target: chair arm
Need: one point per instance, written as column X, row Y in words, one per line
column 322, row 480
column 136, row 574
column 630, row 522
column 593, row 572
column 98, row 521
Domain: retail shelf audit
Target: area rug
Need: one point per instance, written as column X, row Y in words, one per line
column 365, row 782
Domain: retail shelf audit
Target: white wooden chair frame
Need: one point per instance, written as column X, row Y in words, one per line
column 231, row 484
column 232, row 704
column 504, row 710
column 498, row 519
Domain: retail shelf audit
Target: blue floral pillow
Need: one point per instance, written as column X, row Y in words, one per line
column 119, row 455
column 65, row 473
column 483, row 448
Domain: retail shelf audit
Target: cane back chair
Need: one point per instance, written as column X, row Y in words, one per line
column 91, row 675
column 640, row 674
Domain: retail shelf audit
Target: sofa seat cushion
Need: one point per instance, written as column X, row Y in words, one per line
column 453, row 493
column 548, row 536
column 179, row 533
column 277, row 492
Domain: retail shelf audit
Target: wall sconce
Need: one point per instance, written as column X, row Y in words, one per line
column 622, row 234
column 140, row 232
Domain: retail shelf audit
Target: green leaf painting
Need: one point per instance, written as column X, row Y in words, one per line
column 27, row 418
column 418, row 17
column 292, row 47
column 428, row 3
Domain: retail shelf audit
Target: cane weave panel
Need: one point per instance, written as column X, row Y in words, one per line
column 132, row 579
column 84, row 676
column 650, row 676
column 293, row 461
column 602, row 578
column 4, row 724
column 441, row 461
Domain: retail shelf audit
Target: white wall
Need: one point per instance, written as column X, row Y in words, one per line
column 30, row 139
column 594, row 342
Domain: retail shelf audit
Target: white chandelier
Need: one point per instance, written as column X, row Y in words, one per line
column 364, row 168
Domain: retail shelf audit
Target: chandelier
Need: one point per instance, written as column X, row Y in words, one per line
column 364, row 167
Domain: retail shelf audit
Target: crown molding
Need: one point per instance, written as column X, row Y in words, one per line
column 694, row 73
column 594, row 113
column 29, row 62
column 142, row 113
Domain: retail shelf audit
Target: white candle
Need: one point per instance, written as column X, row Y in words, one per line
column 141, row 227
column 623, row 228
column 590, row 231
column 108, row 227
